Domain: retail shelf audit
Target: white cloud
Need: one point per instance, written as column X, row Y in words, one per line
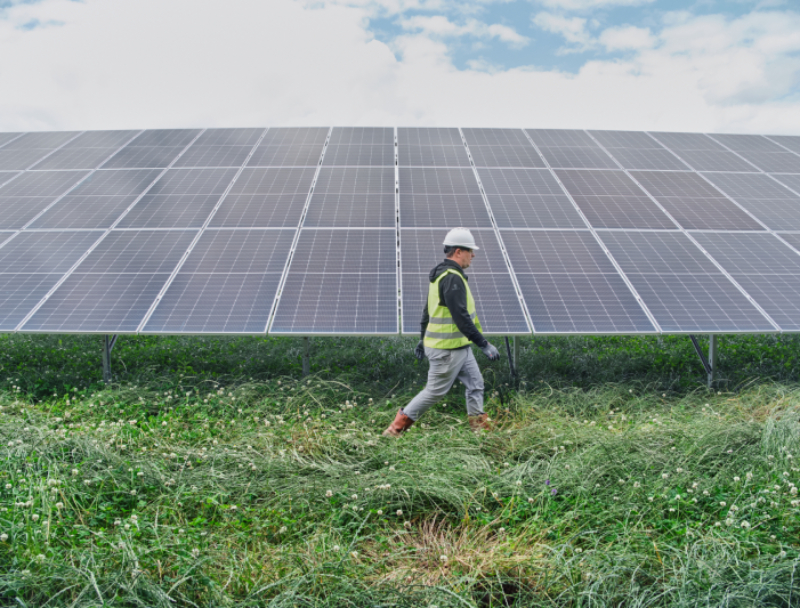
column 439, row 25
column 573, row 29
column 589, row 4
column 180, row 63
column 626, row 38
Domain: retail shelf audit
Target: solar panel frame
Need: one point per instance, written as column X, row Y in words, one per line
column 788, row 142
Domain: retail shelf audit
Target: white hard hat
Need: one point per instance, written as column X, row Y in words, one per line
column 460, row 237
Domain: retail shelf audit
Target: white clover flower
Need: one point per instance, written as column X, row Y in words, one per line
column 380, row 511
column 59, row 505
column 391, row 468
column 3, row 537
column 519, row 483
column 282, row 530
column 672, row 510
column 679, row 470
column 354, row 497
column 745, row 524
column 35, row 517
column 737, row 479
column 8, row 486
column 407, row 525
column 748, row 476
column 782, row 554
column 354, row 554
column 74, row 472
column 664, row 475
column 329, row 493
column 722, row 503
column 195, row 553
column 399, row 512
column 530, row 500
column 705, row 493
column 501, row 530
column 729, row 522
column 133, row 492
column 233, row 507
column 636, row 484
column 336, row 548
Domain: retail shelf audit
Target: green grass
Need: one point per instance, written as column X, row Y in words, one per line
column 212, row 474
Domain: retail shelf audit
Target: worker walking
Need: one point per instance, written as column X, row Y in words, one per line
column 449, row 324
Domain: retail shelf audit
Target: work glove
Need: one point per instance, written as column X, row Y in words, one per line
column 491, row 352
column 419, row 352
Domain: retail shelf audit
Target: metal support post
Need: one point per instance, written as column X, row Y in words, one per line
column 710, row 362
column 307, row 357
column 511, row 359
column 516, row 354
column 108, row 346
column 712, row 357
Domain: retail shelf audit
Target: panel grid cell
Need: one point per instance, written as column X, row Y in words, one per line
column 505, row 156
column 570, row 286
column 771, row 202
column 340, row 282
column 227, row 284
column 496, row 137
column 681, row 287
column 693, row 202
column 702, row 153
column 354, row 197
column 637, row 150
column 438, row 198
column 610, row 199
column 154, row 149
column 528, row 198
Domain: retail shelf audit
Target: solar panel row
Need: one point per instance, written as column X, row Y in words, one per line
column 227, row 230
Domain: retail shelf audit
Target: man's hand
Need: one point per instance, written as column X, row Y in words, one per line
column 419, row 352
column 491, row 352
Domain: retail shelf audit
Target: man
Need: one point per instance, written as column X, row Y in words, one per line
column 449, row 324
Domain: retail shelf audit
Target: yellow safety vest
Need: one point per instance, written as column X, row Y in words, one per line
column 441, row 331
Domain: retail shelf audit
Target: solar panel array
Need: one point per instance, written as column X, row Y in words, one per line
column 334, row 231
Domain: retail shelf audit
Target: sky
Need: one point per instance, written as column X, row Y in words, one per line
column 673, row 65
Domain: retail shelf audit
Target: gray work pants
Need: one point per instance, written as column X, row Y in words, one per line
column 446, row 366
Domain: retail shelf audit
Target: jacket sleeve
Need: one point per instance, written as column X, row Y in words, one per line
column 423, row 326
column 455, row 298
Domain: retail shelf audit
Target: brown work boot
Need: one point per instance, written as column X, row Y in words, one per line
column 401, row 423
column 480, row 423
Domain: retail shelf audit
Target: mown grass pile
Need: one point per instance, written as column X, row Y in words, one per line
column 212, row 474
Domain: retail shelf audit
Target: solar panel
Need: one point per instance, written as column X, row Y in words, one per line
column 766, row 268
column 152, row 149
column 86, row 151
column 42, row 140
column 505, row 156
column 340, row 282
column 528, row 198
column 610, row 199
column 363, row 136
column 564, row 149
column 495, row 137
column 114, row 287
column 490, row 282
column 227, row 284
column 765, row 154
column 359, row 155
column 441, row 198
column 31, row 264
column 570, row 286
column 97, row 201
column 636, row 150
column 295, row 136
column 791, row 181
column 702, row 153
column 684, row 290
column 423, row 136
column 7, row 137
column 693, row 202
column 266, row 198
column 354, row 197
column 792, row 142
column 772, row 203
column 23, row 198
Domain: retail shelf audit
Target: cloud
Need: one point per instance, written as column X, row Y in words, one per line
column 589, row 4
column 441, row 26
column 573, row 29
column 627, row 38
column 178, row 63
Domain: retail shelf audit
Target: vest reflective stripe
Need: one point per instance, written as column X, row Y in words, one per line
column 449, row 320
column 442, row 332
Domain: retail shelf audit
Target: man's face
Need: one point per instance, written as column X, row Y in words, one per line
column 463, row 257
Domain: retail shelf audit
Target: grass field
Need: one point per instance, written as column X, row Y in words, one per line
column 210, row 473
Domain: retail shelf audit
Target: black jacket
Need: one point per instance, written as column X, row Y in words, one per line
column 453, row 294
